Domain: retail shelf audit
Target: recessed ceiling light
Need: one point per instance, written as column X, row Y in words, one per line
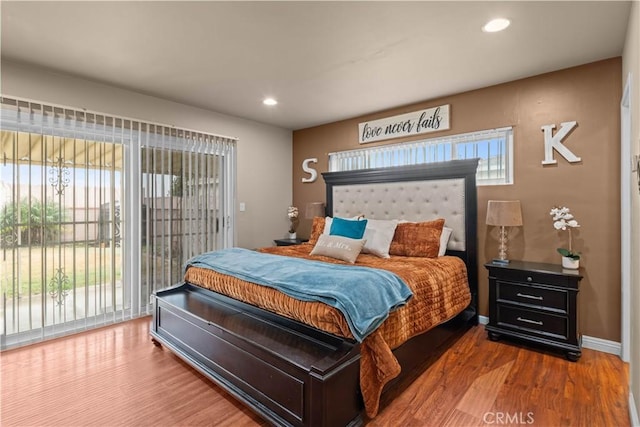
column 496, row 25
column 270, row 101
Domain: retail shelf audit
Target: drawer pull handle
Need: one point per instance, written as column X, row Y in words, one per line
column 529, row 279
column 535, row 322
column 539, row 298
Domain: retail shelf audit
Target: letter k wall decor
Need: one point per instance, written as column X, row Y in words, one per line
column 554, row 142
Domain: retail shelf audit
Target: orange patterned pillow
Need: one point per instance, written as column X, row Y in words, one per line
column 419, row 239
column 317, row 227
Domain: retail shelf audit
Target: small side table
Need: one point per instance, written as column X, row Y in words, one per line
column 289, row 242
column 536, row 302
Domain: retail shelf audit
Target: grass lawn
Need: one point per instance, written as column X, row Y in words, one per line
column 28, row 268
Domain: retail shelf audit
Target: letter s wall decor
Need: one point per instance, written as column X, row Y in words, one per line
column 311, row 171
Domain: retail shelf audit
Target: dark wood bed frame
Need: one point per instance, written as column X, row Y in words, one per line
column 290, row 373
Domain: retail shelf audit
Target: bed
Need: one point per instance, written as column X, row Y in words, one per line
column 296, row 372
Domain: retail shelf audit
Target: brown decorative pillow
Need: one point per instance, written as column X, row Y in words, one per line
column 317, row 227
column 418, row 239
column 338, row 247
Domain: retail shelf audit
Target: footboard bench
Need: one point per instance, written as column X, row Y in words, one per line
column 287, row 372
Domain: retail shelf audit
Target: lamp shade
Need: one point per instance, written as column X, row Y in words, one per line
column 314, row 209
column 505, row 213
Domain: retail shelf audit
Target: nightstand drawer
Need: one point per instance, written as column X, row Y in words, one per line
column 553, row 299
column 533, row 321
column 533, row 277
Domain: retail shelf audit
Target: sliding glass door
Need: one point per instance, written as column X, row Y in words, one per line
column 60, row 240
column 97, row 213
column 182, row 210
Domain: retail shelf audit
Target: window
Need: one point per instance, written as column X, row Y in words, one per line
column 493, row 147
column 98, row 212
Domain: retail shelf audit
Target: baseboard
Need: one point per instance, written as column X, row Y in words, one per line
column 633, row 412
column 591, row 343
column 599, row 344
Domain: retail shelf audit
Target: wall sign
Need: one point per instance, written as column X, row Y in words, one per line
column 554, row 142
column 311, row 171
column 415, row 123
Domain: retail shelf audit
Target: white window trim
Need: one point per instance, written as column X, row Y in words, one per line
column 361, row 158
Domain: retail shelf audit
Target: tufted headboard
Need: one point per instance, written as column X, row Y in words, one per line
column 411, row 201
column 415, row 193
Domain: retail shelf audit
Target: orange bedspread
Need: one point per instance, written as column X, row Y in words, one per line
column 440, row 291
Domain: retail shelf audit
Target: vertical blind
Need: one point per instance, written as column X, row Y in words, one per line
column 183, row 191
column 97, row 212
column 493, row 147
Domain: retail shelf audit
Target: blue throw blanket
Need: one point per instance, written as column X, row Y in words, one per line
column 364, row 295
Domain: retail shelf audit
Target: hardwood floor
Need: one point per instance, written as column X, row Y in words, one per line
column 116, row 376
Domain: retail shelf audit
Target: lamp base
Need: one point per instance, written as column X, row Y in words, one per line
column 500, row 261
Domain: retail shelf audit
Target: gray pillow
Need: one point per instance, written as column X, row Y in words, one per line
column 379, row 234
column 338, row 247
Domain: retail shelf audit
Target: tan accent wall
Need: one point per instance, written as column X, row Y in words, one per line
column 589, row 94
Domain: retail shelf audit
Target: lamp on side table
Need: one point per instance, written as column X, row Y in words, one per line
column 504, row 213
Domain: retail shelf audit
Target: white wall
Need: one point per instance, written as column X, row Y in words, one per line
column 631, row 64
column 264, row 152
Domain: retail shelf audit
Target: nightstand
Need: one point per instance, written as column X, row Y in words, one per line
column 289, row 242
column 535, row 302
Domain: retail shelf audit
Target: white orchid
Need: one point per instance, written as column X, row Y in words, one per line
column 563, row 219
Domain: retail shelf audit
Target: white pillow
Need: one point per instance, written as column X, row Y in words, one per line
column 339, row 247
column 327, row 225
column 378, row 236
column 444, row 240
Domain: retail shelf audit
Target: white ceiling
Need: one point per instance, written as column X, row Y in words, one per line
column 323, row 61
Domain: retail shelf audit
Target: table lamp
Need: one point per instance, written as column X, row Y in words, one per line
column 313, row 209
column 503, row 213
